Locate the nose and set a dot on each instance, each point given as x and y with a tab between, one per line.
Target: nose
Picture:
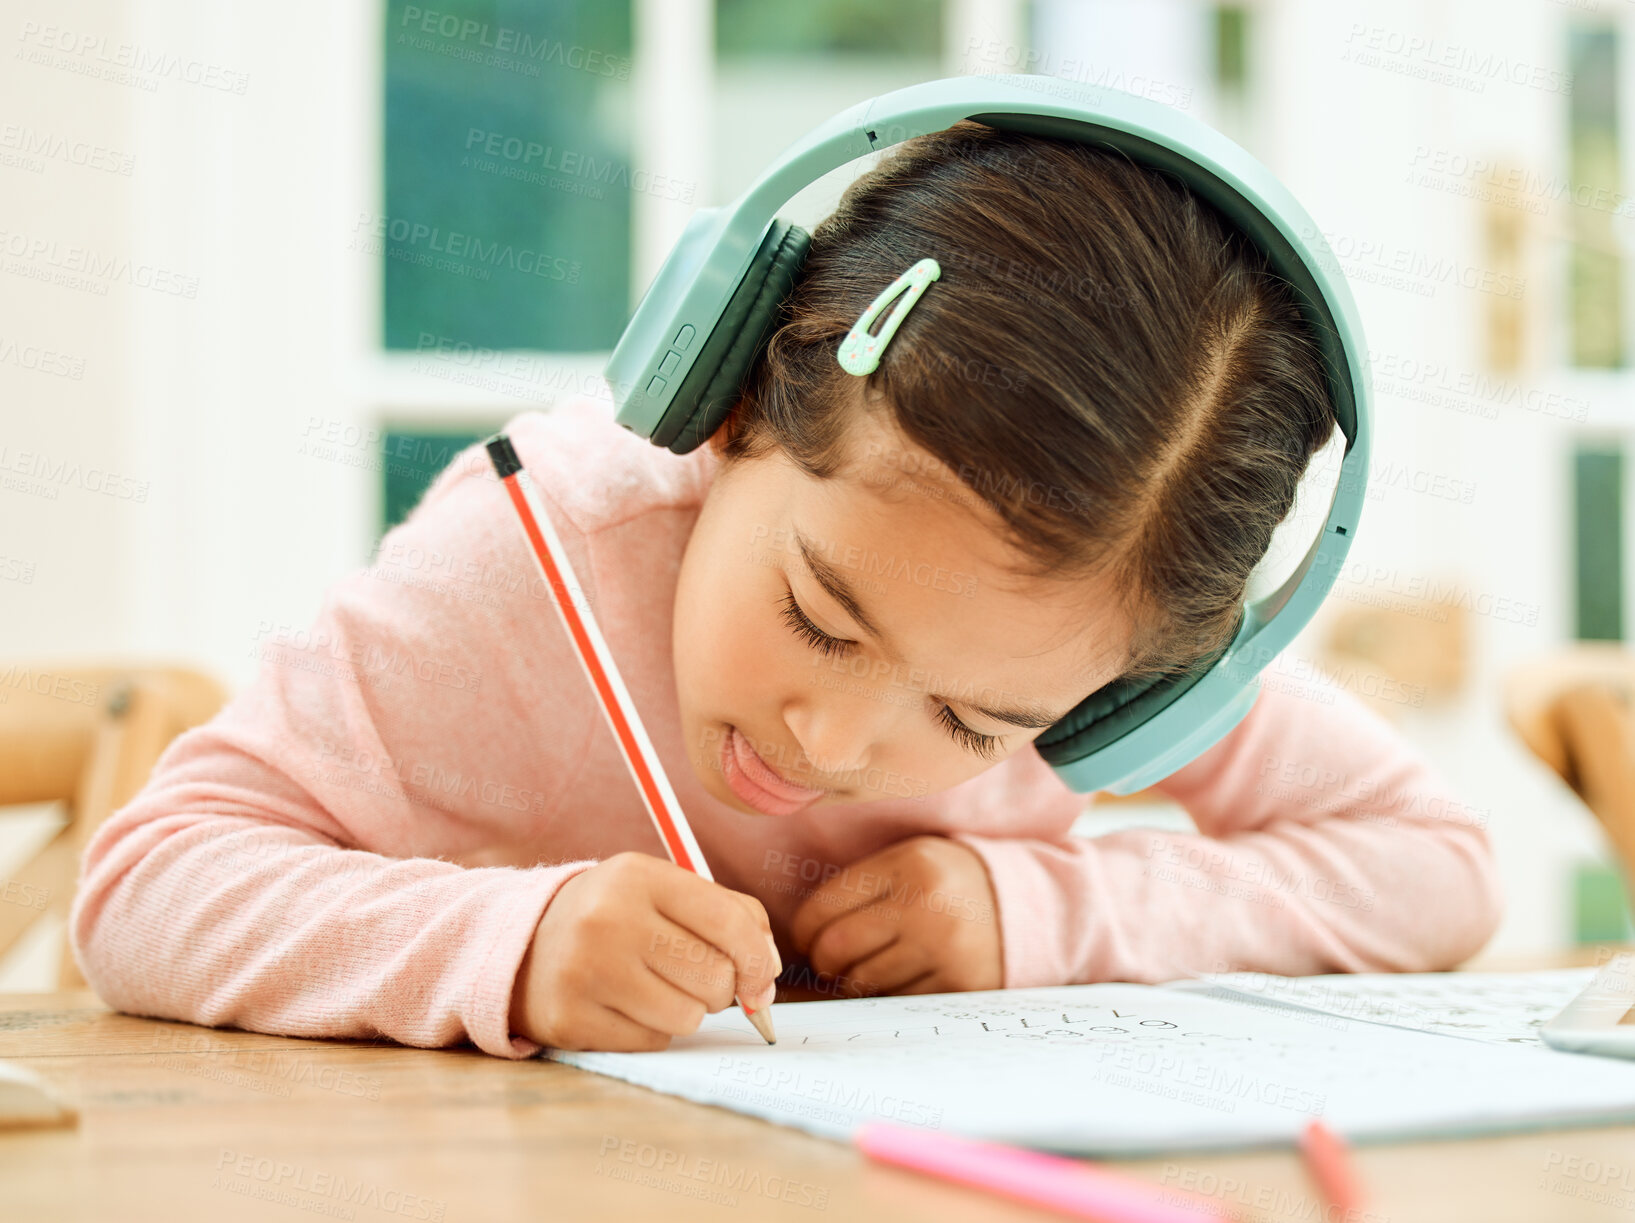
839	727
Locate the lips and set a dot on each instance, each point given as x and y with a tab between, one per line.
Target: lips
753	780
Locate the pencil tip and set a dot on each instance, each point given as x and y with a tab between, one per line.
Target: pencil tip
762	1020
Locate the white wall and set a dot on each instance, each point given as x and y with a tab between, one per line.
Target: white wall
249	199
231	314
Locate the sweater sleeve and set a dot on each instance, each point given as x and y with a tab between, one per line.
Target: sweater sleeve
329	856
1326	842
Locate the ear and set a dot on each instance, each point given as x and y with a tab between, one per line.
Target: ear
727	429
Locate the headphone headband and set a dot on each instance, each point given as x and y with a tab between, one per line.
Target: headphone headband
677	368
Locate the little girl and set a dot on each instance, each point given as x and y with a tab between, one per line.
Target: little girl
844	621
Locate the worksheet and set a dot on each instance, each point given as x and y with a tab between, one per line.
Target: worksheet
1117	1069
1502	1007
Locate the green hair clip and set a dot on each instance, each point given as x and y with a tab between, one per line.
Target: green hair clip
860	352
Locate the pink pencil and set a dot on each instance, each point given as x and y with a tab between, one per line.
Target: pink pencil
1067	1185
1329	1161
597	661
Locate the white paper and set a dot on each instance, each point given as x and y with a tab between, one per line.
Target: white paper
1502	1007
1116	1069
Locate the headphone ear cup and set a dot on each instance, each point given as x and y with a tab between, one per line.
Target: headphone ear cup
715	382
1119	707
1109	712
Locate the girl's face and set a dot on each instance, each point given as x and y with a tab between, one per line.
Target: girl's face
858	638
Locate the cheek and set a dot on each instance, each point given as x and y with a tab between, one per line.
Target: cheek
729	640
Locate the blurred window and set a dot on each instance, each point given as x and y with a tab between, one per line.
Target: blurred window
505	222
1598	549
1595	263
824	28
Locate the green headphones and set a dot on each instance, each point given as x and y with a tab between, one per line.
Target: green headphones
677	369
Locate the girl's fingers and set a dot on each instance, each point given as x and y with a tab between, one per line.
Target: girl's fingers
650	1001
731	921
602	1028
691	964
930	983
854	938
838	898
887	970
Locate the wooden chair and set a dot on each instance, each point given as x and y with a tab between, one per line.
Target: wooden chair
1401	654
1575	709
88	737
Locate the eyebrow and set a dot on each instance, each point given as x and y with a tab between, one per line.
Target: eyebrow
840	591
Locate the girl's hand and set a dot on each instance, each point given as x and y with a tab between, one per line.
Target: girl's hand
636	950
919	917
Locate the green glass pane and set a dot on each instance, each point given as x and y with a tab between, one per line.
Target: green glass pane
1594	261
1231	37
506	217
410	461
828	27
1598	515
1600	904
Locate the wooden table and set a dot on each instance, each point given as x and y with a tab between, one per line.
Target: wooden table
179	1122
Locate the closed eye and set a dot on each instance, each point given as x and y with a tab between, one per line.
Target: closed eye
981	745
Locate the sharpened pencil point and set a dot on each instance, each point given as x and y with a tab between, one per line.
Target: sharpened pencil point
762	1020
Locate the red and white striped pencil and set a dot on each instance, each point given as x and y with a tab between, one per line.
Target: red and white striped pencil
603	673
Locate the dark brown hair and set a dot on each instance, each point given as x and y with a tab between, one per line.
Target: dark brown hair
1105	362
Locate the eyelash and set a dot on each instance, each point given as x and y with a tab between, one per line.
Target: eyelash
973	741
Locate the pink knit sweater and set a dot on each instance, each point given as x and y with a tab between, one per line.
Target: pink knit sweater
361	843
